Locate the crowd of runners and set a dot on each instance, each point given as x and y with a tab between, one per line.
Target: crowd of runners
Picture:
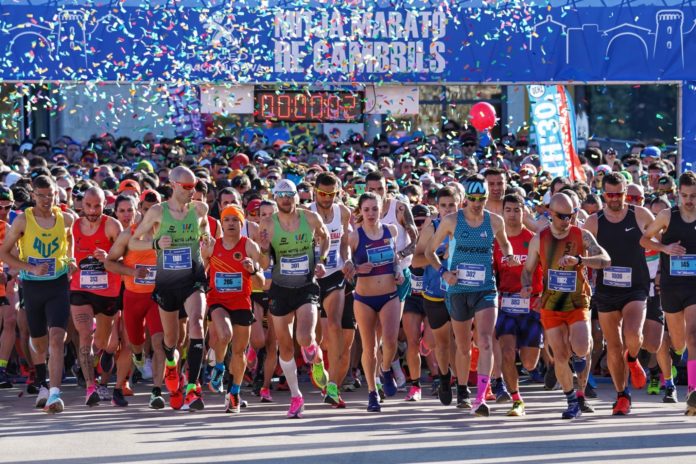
207	267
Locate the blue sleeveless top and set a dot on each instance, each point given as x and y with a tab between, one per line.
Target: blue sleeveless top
471	256
433	286
379	252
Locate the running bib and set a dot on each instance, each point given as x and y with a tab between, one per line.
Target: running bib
513	303
268	273
682	266
149	279
562	281
380	256
471	275
615	276
94	280
177	258
226	282
294	266
39	261
416	283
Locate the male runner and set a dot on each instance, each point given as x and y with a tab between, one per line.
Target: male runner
179	225
290	234
44	236
622	289
678	274
8	313
471	291
336	217
564	251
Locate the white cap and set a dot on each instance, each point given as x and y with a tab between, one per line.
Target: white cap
11	178
547	197
284	185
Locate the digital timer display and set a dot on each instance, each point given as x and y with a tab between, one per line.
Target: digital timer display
319	106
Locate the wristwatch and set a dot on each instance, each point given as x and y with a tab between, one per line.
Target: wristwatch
579	258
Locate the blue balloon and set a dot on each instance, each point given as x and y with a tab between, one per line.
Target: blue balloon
485	139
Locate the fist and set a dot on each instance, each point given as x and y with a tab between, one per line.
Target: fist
141	273
319	271
40	269
248	265
164	241
100	255
450	277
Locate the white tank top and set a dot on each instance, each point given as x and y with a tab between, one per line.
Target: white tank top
402	239
334	263
245	229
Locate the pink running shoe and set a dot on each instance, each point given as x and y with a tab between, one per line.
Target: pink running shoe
296	407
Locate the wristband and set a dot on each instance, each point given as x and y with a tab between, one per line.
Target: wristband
579	258
155	244
442	270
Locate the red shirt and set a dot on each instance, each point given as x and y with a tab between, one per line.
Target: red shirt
230	283
508	277
91	276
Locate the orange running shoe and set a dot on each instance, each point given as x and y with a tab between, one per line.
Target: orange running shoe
176	399
638	377
171	374
490	396
622	406
127	390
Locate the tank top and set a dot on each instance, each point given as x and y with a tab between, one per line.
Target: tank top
91	276
212	225
471	256
379	252
3	232
629	269
402	238
136	259
294	254
509	277
334	262
434	288
230	283
181	262
565	288
679	271
39	245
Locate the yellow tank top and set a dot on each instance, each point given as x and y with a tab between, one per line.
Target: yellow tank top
39	245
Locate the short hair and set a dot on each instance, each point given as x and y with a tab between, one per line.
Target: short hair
688	178
43	182
613	178
326	178
494	172
447	191
374	176
513	198
201	187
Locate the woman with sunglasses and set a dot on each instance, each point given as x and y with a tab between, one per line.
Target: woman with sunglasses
373	246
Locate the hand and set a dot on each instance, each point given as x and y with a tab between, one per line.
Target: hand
319	271
399	278
535	304
512	260
568	260
526	292
364	268
39	269
248	265
450	277
164	241
348	270
674	249
140	272
72	267
100	255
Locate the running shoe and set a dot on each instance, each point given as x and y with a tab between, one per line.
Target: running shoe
585	406
463	397
490	396
340	405
193	400
435	387
444	391
147	369
140	365
348	385
480	409
156	401
117	399
176	400
399	377
691	404
654	385
573	411
32	387
42	398
380	392
296	407
536	376
103	392
500	391
215	384
638	377
550	380
590	392
389	383
54	404
373	402
232	403
622	406
5	381
414	394
171	374
357	383
92	396
126	389
670	395
331	394
265	395
320	378
517	409
79	377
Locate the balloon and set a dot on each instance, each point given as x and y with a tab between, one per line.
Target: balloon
482	116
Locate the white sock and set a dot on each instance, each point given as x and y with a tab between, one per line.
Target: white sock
54	391
290	373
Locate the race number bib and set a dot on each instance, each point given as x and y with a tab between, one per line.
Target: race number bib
94	280
562	281
615	276
513	303
39	261
682	266
294	266
149	279
227	282
416	283
177	258
380	256
471	275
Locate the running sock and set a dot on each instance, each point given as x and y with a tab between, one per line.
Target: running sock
516	396
415	383
290	371
169	353
630	358
54	391
623	393
157	391
669	383
195	357
580	394
571	397
106	361
691	374
40	378
235	388
220	367
482	382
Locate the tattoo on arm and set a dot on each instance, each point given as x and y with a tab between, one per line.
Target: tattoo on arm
597	257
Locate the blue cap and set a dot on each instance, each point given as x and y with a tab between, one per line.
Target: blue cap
651	151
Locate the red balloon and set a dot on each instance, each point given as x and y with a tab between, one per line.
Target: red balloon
482	116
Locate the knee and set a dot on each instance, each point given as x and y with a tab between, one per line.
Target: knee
485	342
508	353
529	364
224	335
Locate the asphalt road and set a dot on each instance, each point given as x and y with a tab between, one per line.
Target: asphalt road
404	432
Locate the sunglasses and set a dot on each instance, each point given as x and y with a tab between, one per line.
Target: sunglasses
419	222
476	198
272	178
565	217
634	198
285	194
614	195
253	213
186	185
322	193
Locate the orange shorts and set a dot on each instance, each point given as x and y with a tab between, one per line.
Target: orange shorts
551	319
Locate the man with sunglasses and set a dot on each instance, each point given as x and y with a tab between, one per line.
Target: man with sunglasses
179	226
564	251
471	289
621	290
678	274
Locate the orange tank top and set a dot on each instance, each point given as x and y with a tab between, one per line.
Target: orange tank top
91	276
136	259
230	283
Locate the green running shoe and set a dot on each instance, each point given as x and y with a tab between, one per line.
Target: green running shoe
320	378
332	394
517	409
654	386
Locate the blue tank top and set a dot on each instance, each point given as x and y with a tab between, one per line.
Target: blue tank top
471	256
379	252
433	286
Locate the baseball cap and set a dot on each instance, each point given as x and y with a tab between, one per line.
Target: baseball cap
420	210
6	194
144	166
284	185
129	184
651	152
253	205
239	161
262	156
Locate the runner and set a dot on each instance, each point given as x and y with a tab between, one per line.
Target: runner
471	293
622	289
179	226
678	275
233	264
43	234
294	293
565	251
93	294
336	217
8	312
